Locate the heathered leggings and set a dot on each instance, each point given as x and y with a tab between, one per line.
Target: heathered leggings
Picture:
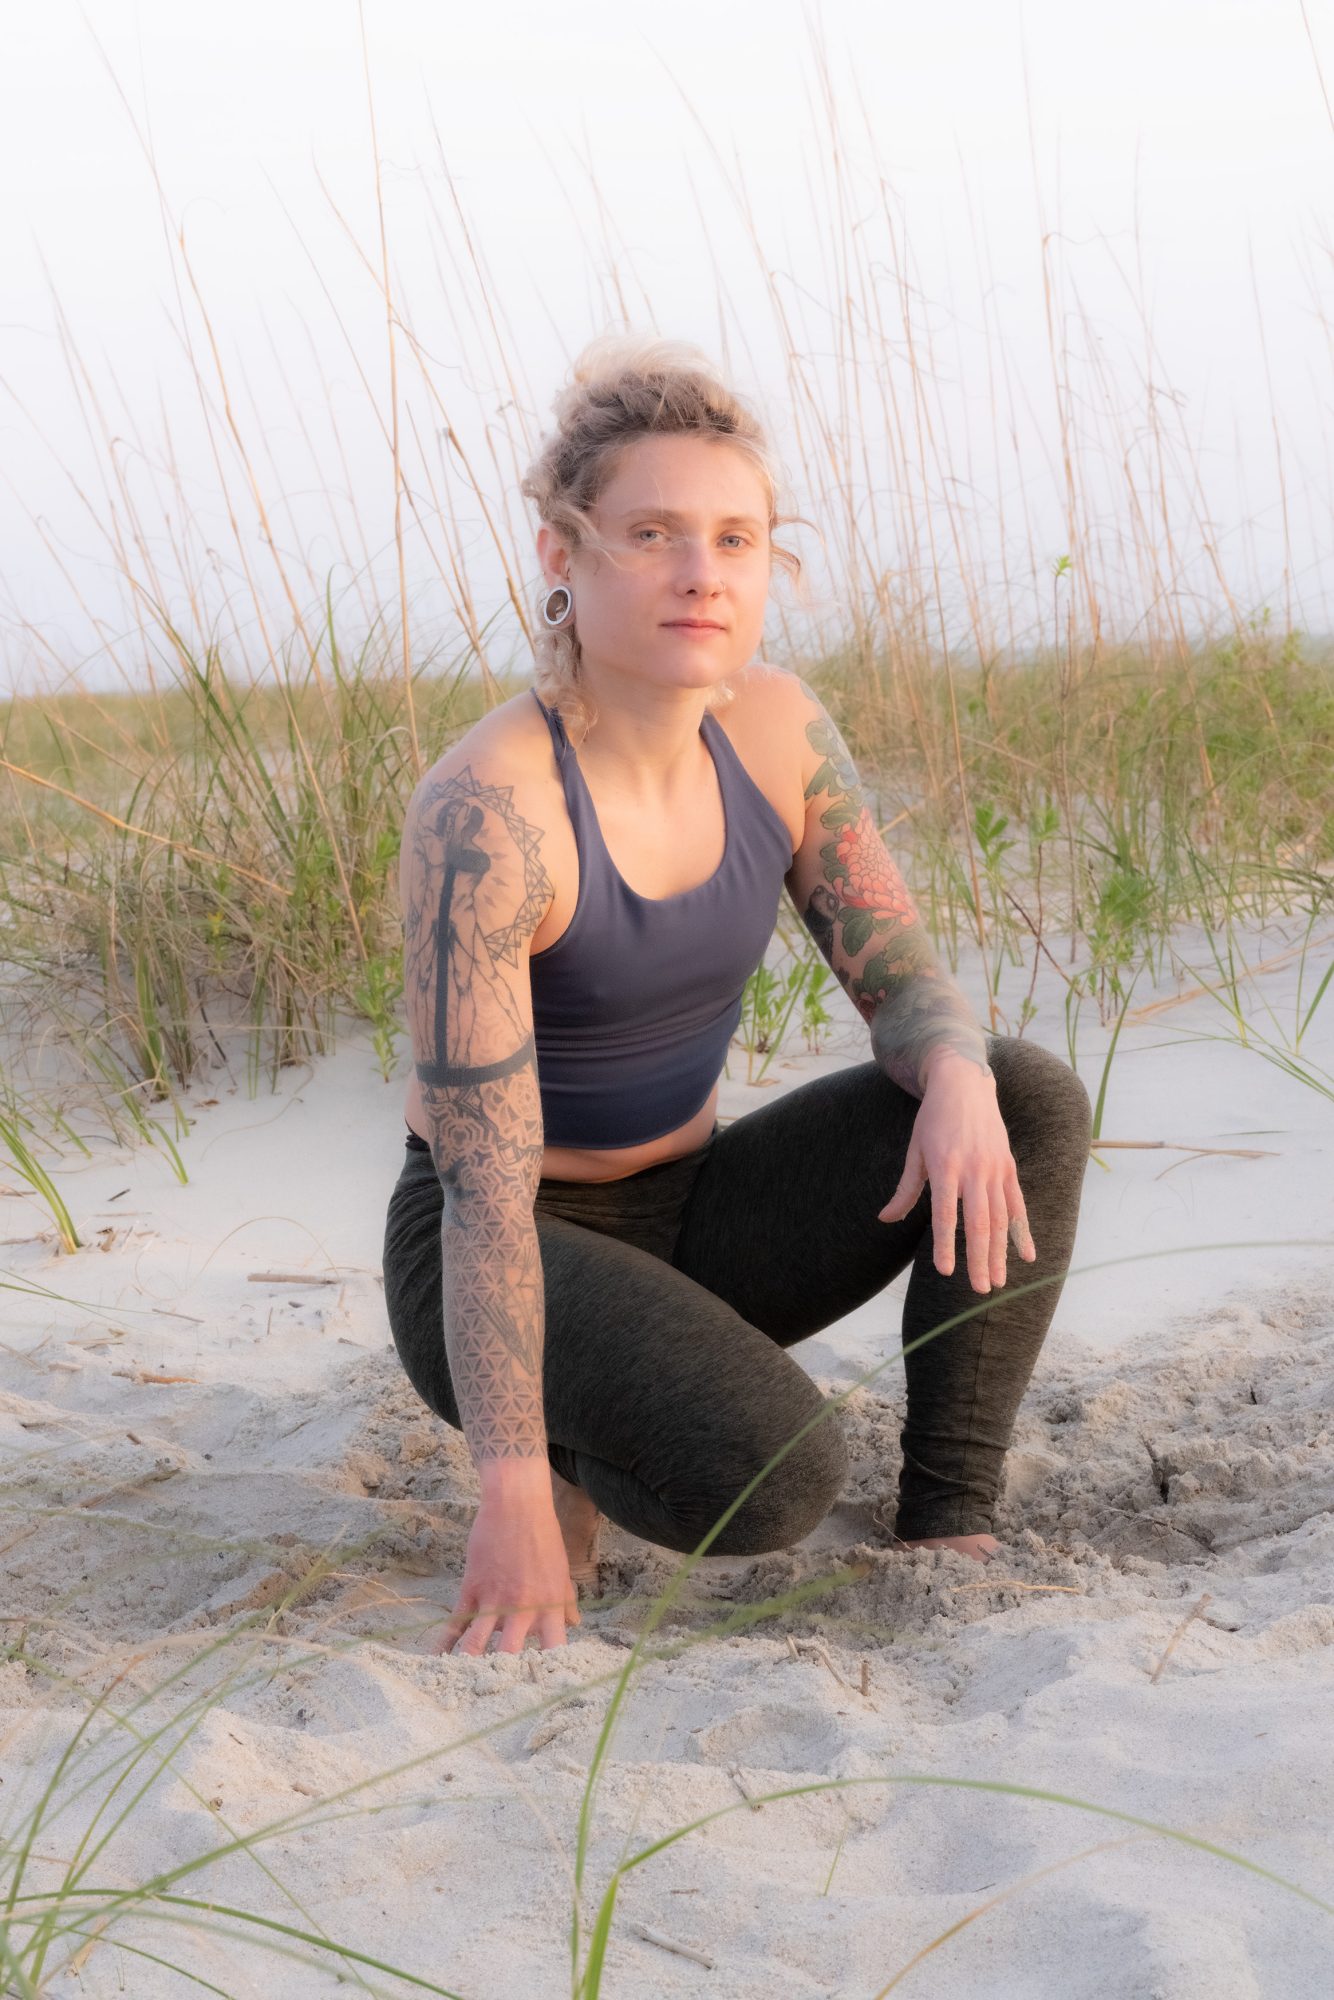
672	1295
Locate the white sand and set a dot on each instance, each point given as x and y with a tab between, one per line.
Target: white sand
1176	1441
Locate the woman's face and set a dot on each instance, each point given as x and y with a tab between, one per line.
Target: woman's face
686	526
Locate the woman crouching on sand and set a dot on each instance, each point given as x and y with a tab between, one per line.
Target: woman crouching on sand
582	1272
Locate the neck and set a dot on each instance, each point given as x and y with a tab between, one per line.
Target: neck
646	737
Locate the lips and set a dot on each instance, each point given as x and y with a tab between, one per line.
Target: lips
693	625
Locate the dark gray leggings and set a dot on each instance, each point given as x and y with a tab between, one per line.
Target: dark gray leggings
672	1294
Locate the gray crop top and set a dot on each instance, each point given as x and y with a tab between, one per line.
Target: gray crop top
635	1003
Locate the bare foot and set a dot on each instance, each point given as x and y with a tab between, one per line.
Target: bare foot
580	1527
982	1548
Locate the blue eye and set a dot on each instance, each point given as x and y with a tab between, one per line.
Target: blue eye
733	537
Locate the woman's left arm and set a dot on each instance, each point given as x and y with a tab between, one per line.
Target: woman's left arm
924	1036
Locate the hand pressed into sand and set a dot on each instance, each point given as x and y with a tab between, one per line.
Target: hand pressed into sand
516	1575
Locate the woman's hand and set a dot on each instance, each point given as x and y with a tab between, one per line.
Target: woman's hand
959	1144
516	1571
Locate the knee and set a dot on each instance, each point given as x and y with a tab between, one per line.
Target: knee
789	1502
414	1303
1040	1097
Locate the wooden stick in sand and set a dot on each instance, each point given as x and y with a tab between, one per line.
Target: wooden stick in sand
670	1944
1170	1647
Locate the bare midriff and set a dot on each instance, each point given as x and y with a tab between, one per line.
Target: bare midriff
654	858
582	1163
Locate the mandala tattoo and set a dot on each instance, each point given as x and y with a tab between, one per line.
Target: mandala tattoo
867	926
473	891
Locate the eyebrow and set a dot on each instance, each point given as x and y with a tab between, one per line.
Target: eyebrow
669	514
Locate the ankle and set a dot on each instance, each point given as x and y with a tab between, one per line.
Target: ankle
570	1499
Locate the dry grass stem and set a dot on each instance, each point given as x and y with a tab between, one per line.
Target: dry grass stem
1172	1643
670	1944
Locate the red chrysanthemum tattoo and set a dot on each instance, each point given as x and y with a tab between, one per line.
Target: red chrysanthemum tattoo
869	879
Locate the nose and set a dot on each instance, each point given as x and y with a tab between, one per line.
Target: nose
697	569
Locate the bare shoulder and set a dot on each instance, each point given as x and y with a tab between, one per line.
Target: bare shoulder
510	744
776	699
778	713
484	810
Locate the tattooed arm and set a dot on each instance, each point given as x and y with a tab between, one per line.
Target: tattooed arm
856	905
473	891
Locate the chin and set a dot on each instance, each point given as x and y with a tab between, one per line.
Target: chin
700	681
707	685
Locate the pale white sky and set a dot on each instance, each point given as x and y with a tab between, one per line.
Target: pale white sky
1182	149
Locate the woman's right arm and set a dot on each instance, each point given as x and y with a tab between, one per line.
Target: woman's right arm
473	891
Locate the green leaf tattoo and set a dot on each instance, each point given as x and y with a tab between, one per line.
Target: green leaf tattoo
901	990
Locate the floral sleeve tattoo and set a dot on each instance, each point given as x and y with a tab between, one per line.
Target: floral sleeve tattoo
474	890
859	911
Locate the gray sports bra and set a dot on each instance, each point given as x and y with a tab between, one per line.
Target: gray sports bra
636	1002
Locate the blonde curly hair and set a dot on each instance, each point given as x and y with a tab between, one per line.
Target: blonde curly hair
623	387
